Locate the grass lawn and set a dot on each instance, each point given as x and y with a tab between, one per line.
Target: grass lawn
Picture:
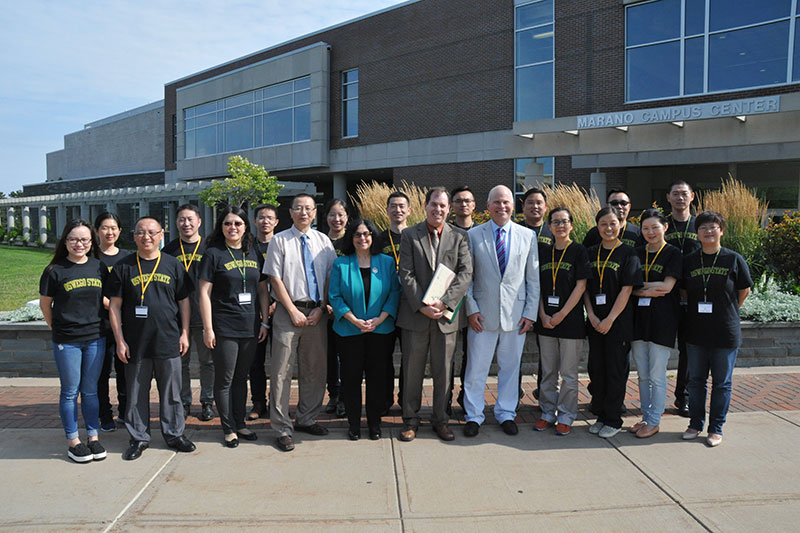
20	270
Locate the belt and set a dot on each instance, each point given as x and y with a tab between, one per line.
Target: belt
306	305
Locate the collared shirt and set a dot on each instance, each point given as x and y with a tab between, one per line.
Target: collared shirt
285	261
507	234
438	230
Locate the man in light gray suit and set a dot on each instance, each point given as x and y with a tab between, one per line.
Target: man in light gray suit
424	327
502	303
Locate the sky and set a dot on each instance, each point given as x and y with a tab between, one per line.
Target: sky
66	63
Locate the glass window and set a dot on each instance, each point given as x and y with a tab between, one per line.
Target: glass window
796	64
534	92
239	99
350	103
302	123
654	71
205	120
206	141
277	90
305	83
302	97
188	113
535	46
653	22
239	134
695	17
350	75
693	66
205	108
726	14
239	112
749	57
534	14
278	127
258	130
189	144
279	102
189	124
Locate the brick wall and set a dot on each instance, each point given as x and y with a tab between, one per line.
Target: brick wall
481	176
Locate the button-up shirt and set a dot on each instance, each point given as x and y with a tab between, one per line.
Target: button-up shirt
285	261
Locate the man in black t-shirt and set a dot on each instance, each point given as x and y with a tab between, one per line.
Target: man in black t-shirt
149	312
189	248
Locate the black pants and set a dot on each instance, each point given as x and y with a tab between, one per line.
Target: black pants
608	372
258	373
334	367
233	358
682	377
111	358
365	355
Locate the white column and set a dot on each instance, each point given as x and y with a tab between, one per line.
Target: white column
340	186
10	218
61	219
597	180
43	224
26	223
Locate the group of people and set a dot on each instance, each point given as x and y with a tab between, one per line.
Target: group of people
334	306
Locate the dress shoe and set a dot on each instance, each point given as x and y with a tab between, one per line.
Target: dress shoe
563	429
182	444
341	412
135	450
408	433
187	407
285	443
647	431
471	429
313	429
232	442
207	413
714	439
353	435
690	434
331	407
444	432
374	433
637	426
541	425
682	409
259	411
510	427
247	434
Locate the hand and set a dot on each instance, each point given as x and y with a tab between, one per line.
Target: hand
314	316
272	308
475	322
524	325
438	304
545	320
329	309
209	339
604	326
556	319
183	343
262	334
367	326
431	312
298	318
123	352
593	320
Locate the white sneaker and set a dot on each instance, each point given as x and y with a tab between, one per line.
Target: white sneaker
595	428
607	432
690	434
714	439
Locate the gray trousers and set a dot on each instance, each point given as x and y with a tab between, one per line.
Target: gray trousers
139	376
206	369
559	356
416	345
309	345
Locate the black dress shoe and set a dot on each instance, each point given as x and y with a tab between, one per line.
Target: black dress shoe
471	429
444	432
510	427
247	434
331	407
285	443
135	450
207	413
353	435
341	411
233	443
182	444
374	433
683	409
313	429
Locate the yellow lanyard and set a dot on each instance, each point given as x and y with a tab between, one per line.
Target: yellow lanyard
141	276
647	264
601	273
394	252
554	272
242	270
183	254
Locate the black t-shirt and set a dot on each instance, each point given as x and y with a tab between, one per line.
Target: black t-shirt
726	276
337	246
683	235
189	257
158	335
573	267
632	236
77	293
109	261
543	233
390	244
622	270
222	266
658	321
262	249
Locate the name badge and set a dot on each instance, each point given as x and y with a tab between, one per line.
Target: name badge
553	301
600	299
140	311
644	302
245	298
705	307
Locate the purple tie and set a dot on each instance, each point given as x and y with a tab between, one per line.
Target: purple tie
500	248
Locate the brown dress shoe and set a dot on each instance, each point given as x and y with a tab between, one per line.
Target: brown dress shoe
444	432
408	433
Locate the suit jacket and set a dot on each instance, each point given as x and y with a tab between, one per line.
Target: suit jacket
346	293
504	300
417	264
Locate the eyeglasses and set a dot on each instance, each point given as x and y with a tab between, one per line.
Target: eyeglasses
73	241
707	229
362	234
464	201
304	209
557	223
237	223
142	234
266	219
618	203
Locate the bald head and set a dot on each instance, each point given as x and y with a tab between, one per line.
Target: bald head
500	204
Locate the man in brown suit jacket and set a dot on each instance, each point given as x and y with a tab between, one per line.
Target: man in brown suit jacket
424	327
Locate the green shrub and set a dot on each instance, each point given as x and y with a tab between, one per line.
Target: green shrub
28	313
767	303
783	249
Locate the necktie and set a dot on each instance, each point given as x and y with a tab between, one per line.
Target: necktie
308	264
500	248
434	246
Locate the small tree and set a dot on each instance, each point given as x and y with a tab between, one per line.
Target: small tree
249	184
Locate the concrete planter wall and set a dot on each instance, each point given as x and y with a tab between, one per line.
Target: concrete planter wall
26	349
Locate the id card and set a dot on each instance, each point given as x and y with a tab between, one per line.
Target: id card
600	299
705	307
553	301
140	311
245	298
644	302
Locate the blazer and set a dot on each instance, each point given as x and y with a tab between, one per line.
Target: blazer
504	300
346	293
417	264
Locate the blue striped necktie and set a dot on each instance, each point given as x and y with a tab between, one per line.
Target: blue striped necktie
500	248
311	276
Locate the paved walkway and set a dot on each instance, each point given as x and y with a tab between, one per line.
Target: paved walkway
532	481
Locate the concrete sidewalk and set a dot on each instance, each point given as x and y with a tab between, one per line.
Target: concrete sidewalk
532	481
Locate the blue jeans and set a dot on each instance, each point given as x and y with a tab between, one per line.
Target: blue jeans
720	362
651	365
79	367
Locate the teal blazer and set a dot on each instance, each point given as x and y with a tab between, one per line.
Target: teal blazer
346	293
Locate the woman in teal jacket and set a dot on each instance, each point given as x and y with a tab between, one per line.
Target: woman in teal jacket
364	293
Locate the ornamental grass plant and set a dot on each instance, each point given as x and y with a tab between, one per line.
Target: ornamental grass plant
370	200
583	205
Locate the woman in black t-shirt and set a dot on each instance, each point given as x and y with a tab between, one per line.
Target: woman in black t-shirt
563	268
717	282
108	228
655	319
233	304
71	298
615	273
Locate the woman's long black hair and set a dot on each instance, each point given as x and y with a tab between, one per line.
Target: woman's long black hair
217	238
61	253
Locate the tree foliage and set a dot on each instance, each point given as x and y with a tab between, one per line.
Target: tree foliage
250	184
